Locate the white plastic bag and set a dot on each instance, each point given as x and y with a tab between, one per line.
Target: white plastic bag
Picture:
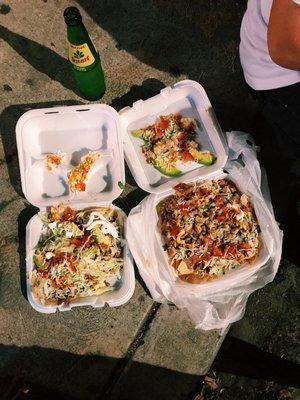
215	304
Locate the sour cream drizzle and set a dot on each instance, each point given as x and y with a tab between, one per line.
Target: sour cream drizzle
96	218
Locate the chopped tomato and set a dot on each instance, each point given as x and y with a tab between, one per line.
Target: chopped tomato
72	265
181	187
244	246
161	126
164	123
246	208
88	240
174	230
76	241
182	137
68	214
43	273
230	249
80	241
222	216
217	251
186	156
54	283
159	132
58	258
181	207
218	200
63	280
80	186
197	258
207	241
104	247
205	257
202	192
71	262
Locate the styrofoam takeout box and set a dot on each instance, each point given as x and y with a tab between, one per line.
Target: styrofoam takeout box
189	99
75	130
236	274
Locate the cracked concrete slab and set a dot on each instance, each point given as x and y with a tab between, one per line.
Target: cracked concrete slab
171	344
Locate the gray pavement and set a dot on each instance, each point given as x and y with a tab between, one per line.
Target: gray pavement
260	357
140	350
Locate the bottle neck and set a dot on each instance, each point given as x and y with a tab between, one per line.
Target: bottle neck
77	34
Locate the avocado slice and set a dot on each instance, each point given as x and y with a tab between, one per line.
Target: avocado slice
138	133
99	237
144	134
168	170
203	157
97	233
38	260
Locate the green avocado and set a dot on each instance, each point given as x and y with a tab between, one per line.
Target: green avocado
138	133
203	157
97	234
38	260
168	170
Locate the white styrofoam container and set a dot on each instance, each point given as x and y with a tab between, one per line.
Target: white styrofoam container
75	130
189	99
241	271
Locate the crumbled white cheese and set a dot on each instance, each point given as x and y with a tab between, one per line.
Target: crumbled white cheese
240	215
49	255
52	225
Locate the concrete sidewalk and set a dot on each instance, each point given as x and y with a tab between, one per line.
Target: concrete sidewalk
96	353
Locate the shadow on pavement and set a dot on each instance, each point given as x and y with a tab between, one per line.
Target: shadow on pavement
55	374
41	58
41	373
244	359
181	37
8	121
23	219
197	38
150	87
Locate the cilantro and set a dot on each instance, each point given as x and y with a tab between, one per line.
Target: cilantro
190	136
148	145
166	247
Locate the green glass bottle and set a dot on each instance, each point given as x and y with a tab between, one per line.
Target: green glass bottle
83	57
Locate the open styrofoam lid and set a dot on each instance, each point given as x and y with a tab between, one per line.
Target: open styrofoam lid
74	130
190	100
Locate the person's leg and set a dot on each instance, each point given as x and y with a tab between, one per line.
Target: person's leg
278	135
279	139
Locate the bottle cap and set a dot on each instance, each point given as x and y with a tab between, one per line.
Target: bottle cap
72	16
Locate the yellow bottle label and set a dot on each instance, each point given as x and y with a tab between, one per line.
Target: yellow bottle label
80	55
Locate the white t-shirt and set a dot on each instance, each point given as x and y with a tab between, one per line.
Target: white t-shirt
261	73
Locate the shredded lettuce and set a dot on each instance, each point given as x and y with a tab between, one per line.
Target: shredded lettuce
70	263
